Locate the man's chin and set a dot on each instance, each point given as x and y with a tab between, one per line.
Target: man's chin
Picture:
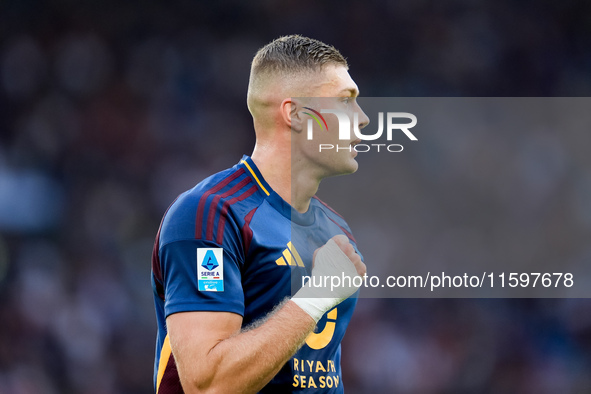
350	168
354	166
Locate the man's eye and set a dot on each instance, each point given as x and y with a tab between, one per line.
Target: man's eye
347	100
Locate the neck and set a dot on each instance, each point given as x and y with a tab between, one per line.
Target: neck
293	183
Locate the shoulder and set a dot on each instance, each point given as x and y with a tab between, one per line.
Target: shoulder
334	216
204	211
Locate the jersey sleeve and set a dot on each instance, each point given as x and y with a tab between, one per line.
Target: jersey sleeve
201	275
201	248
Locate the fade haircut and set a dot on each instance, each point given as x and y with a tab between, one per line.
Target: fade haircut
295	53
288	61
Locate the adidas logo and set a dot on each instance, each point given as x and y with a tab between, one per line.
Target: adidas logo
290	257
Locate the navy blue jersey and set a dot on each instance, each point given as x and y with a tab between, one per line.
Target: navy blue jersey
232	244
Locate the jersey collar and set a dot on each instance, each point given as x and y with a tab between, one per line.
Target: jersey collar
274	199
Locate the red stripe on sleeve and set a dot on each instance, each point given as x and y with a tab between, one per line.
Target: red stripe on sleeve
203	199
348	234
328	206
214	204
247	231
223	214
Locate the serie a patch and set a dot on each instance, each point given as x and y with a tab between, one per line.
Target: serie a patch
210	269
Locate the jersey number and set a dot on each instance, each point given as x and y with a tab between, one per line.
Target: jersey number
319	340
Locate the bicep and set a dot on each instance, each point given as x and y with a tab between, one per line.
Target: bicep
192	337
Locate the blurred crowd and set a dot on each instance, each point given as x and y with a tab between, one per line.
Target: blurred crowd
109	109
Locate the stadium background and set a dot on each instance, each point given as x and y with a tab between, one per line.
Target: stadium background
109	110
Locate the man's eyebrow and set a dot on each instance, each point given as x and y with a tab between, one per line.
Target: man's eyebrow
352	91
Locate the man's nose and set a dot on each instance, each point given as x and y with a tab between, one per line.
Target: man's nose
363	119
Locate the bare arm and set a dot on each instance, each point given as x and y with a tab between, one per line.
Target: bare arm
213	355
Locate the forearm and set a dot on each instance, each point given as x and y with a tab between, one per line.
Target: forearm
247	361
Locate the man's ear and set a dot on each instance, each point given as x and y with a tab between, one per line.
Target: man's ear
290	111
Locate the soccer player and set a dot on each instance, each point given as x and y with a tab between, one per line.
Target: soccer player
227	250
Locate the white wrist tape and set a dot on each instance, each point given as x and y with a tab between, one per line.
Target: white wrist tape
331	282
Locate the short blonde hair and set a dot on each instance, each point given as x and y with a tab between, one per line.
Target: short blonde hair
295	53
